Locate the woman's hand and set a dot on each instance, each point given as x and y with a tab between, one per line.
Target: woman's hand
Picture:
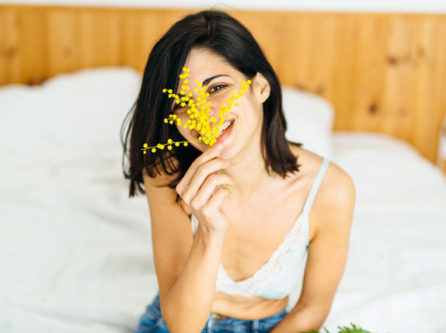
203	189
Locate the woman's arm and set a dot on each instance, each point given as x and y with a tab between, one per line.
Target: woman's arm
187	305
327	255
186	266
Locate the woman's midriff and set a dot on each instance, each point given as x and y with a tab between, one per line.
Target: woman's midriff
247	308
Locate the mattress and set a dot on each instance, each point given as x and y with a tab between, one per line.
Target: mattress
76	253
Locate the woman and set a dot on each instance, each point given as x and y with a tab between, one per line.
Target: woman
227	261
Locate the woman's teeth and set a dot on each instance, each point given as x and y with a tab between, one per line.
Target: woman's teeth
225	127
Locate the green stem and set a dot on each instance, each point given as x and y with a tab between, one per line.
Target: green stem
226	186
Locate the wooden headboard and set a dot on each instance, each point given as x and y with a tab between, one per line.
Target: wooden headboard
382	72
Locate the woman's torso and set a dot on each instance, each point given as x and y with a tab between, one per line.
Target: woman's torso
245	248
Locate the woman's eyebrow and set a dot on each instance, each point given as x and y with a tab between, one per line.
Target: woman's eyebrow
209	79
205	82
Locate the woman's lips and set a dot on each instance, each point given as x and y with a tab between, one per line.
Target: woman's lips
226	134
197	133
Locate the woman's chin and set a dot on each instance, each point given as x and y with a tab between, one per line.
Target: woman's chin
228	151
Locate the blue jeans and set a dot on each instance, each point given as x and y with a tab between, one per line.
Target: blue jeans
152	321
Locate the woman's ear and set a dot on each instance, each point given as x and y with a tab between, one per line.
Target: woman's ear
261	87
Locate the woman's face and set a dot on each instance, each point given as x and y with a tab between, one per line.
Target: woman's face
220	79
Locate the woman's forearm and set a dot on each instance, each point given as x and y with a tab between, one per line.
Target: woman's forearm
187	306
301	319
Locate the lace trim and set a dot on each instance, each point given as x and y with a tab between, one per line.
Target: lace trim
276	263
253	285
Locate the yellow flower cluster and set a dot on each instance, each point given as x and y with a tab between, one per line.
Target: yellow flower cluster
198	112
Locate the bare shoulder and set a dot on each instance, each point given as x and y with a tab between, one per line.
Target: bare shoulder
339	188
336	196
331	216
336	181
170	231
338	201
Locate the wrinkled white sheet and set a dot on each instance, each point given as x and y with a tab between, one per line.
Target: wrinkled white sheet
75	251
395	279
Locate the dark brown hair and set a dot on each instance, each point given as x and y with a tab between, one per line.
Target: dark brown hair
224	35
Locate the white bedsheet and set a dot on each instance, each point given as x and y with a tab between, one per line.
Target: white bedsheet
75	251
395	279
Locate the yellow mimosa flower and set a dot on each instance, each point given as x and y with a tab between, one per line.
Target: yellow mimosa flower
202	124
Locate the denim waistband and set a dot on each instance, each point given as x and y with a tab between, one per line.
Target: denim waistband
220	323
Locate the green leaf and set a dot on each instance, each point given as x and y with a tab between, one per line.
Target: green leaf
344	329
353	329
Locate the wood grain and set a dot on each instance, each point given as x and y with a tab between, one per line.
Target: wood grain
383	72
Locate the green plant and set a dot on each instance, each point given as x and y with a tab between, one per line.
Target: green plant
344	329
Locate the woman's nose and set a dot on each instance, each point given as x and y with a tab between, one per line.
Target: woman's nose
214	116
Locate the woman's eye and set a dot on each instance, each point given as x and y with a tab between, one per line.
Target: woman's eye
178	107
217	86
179	110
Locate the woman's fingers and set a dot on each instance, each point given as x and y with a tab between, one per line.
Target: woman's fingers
203	158
203	172
203	189
213	183
214	203
200	175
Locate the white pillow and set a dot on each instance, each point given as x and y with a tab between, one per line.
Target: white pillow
70	113
309	120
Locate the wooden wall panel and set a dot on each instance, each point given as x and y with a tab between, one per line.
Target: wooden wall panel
63	50
382	72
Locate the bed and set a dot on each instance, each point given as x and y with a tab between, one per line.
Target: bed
75	251
365	90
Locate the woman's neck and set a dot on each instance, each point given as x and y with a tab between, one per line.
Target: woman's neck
247	169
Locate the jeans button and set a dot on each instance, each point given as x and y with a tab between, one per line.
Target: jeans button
216	317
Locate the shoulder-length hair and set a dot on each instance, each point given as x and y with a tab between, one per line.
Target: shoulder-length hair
224	35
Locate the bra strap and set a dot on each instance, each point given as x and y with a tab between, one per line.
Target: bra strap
315	186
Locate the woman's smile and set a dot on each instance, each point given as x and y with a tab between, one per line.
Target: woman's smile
226	132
